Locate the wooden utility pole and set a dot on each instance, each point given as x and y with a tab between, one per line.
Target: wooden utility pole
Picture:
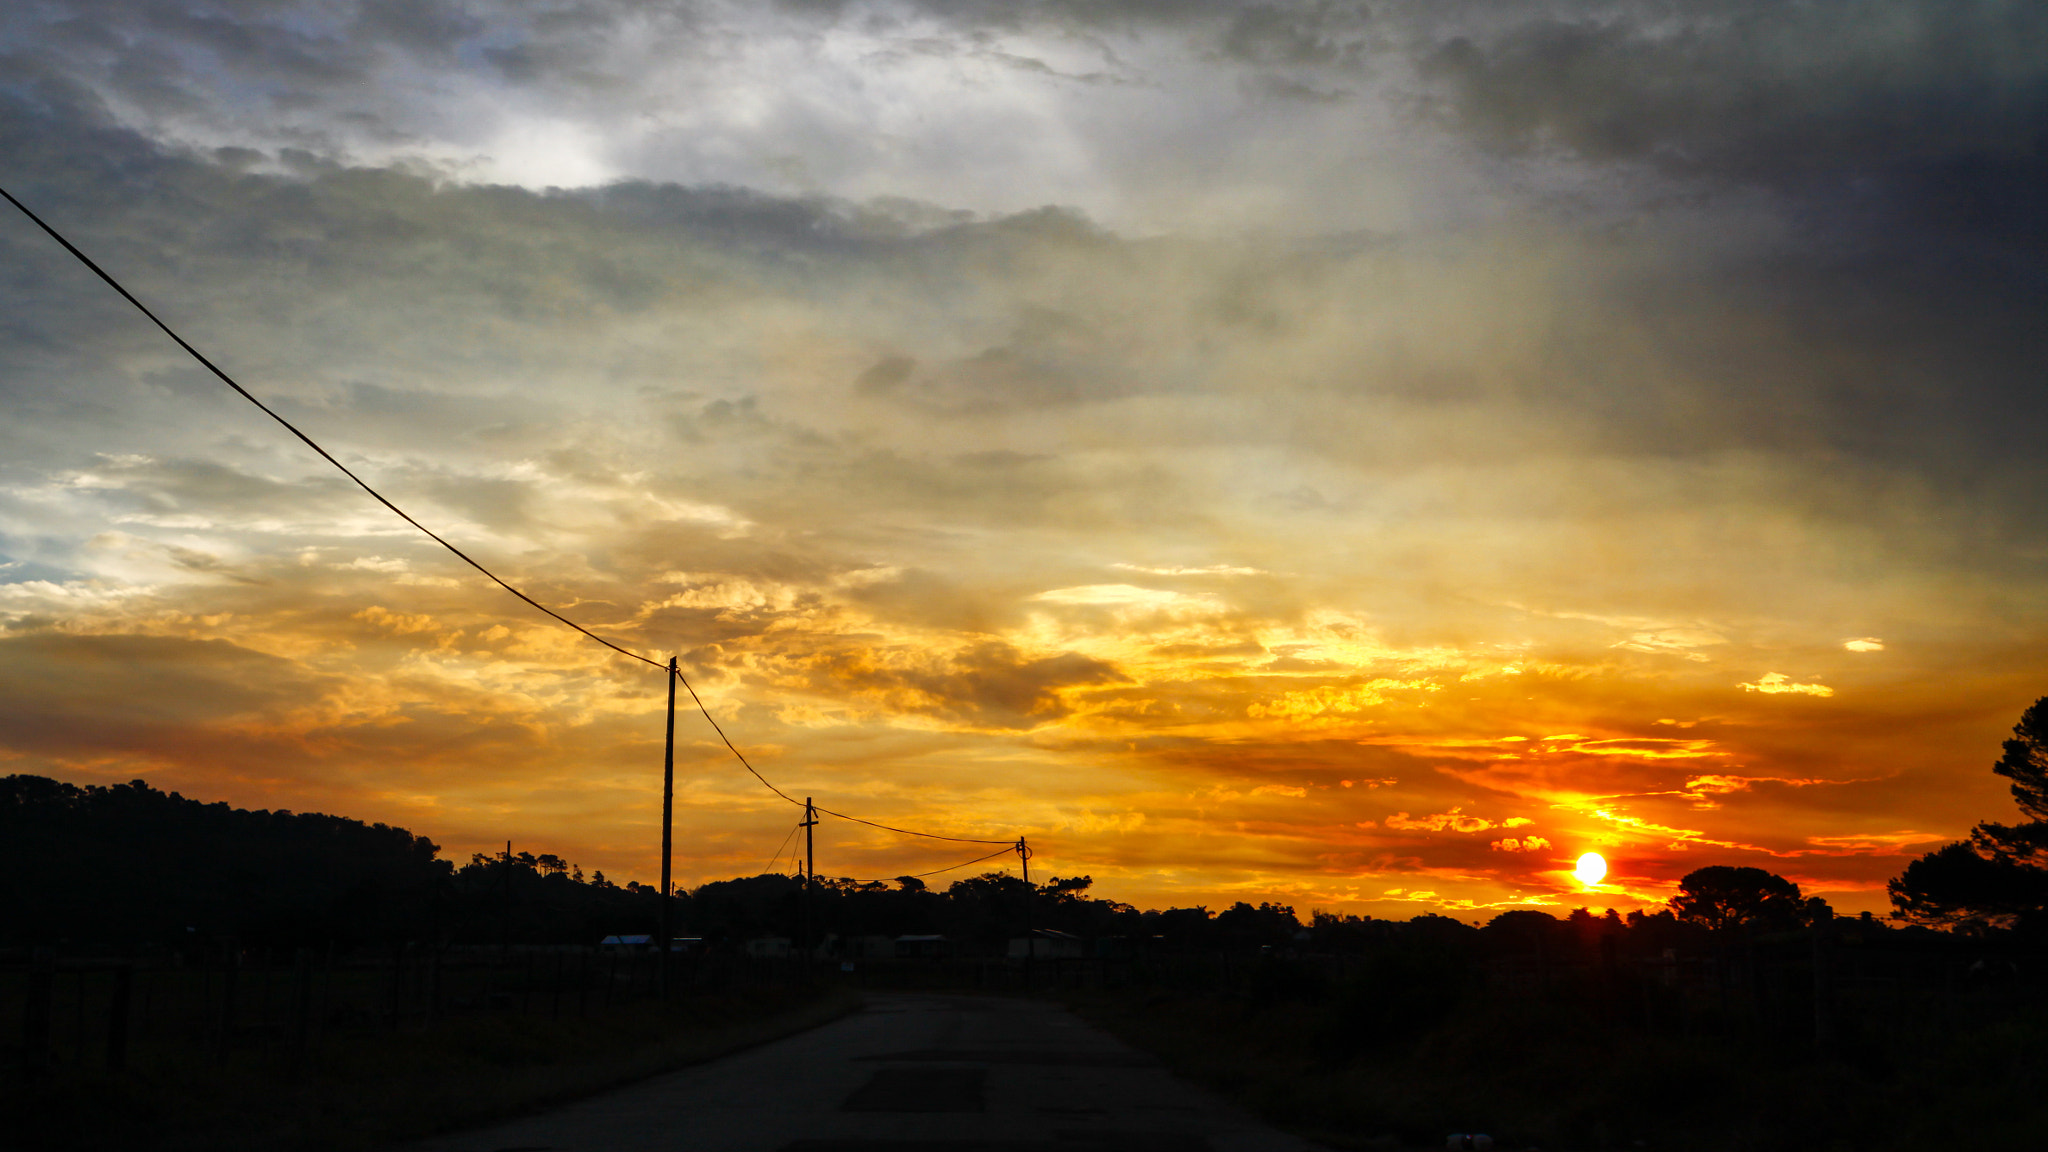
810	870
1030	931
668	810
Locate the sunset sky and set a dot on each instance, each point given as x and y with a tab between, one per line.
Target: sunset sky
1360	456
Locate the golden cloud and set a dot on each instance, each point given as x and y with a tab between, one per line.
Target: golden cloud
1775	683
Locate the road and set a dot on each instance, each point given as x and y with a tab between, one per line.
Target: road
907	1073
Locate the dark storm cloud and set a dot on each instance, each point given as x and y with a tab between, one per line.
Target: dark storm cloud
1831	343
174	54
1766	91
1906	140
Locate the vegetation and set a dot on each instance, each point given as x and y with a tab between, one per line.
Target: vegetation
1722	897
371	1087
132	868
1998	877
1667	1031
128	869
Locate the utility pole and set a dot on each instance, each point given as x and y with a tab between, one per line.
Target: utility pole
1030	932
810	870
668	809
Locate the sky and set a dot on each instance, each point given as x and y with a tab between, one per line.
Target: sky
1357	456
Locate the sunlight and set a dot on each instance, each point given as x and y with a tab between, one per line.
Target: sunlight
1591	870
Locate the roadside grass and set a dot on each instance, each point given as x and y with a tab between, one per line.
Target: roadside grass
372	1088
1550	1075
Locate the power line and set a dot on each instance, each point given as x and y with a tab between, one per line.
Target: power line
742	758
777	858
926	835
947	868
309	441
436	537
977	860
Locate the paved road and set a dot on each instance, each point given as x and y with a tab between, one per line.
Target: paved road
908	1073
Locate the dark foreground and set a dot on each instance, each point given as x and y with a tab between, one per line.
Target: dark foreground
367	1086
910	1073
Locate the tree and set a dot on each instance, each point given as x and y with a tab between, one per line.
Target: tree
1721	896
2025	762
1961	887
1998	877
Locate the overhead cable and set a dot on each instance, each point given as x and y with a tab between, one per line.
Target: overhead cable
977	860
210	366
742	758
947	868
309	441
777	858
1010	845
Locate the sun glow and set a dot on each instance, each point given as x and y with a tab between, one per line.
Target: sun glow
1592	869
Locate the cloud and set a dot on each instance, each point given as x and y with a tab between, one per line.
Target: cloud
1866	644
858	352
1334	701
989	684
1777	683
1452	821
1680	641
1279	790
1875	843
1211	570
1126	596
1525	844
1776	94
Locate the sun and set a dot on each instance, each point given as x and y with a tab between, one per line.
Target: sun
1591	870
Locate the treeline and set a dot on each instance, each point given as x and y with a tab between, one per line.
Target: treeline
130	867
128	864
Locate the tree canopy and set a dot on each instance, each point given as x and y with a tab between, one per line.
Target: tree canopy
129	862
2025	762
1998	877
1721	896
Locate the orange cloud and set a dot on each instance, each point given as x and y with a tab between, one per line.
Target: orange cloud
1453	820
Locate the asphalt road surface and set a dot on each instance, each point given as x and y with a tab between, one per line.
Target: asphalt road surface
907	1073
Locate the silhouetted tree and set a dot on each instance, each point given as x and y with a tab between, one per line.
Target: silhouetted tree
1269	925
1998	878
1962	886
1523	932
1720	897
127	864
2025	762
